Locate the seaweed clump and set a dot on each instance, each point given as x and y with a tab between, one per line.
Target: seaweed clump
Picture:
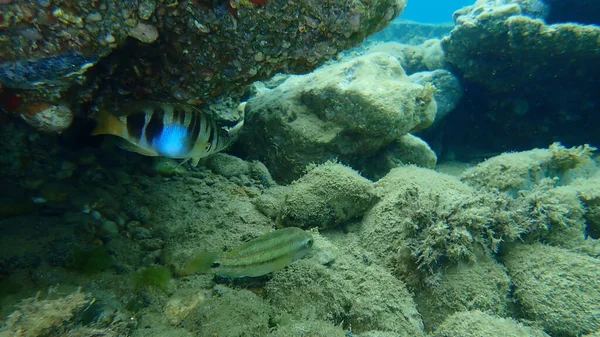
38	316
152	277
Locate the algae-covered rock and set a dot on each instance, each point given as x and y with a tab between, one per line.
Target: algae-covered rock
182	303
556	288
406	150
588	191
555	215
483	285
352	292
56	314
477	323
448	90
410	149
502	45
307	328
198	49
328	195
512	172
425	219
339	111
215	316
427	56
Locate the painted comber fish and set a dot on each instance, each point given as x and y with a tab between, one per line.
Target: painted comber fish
170	130
265	254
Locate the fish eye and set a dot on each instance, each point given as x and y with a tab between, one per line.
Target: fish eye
215	264
310	242
207	147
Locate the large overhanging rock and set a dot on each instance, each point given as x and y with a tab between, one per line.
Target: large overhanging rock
184	50
340	112
504	47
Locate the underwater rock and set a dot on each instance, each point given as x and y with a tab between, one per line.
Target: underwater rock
189	51
427	220
512	172
328	195
339	111
588	191
208	49
483	285
448	90
411	32
556	215
181	304
311	328
410	149
227	165
47	117
478	323
406	150
144	32
229	313
427	56
502	46
53	70
351	292
555	288
48	316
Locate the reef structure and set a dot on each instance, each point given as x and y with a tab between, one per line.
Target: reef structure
190	51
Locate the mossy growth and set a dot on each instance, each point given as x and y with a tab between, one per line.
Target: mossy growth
155	276
89	260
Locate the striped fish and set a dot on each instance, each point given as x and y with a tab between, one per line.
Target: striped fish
263	255
167	129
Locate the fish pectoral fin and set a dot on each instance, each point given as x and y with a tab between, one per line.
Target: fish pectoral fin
129	146
279	264
195	161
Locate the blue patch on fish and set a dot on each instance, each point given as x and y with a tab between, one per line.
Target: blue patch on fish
171	142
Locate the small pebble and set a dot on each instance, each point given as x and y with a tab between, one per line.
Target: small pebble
140	233
144	32
94	17
96	215
109	38
259	57
110	227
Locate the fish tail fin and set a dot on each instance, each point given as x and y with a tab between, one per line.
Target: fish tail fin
200	263
109	124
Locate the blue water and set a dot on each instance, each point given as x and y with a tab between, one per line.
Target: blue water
432	11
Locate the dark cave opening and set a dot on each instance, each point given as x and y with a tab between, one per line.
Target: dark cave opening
577	11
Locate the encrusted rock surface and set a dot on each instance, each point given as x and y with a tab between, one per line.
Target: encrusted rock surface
188	50
503	47
337	112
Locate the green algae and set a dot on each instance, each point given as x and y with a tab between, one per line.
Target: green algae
152	277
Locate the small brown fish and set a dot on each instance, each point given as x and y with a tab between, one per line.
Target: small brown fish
257	257
170	130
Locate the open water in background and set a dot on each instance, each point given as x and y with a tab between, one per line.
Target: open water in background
432	11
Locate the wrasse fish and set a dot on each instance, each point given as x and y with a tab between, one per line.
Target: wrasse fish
265	254
170	130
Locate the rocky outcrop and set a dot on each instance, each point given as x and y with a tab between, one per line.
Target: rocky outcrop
341	111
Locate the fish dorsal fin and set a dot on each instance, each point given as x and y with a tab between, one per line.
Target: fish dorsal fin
109	124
